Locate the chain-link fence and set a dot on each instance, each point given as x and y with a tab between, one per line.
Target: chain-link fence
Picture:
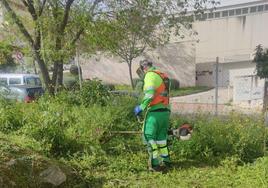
235	89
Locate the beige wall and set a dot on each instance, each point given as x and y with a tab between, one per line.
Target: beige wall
177	59
226	74
231	38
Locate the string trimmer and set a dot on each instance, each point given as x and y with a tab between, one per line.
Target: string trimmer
183	132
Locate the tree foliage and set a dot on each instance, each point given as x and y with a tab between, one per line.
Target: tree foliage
261	60
136	25
6	51
51	28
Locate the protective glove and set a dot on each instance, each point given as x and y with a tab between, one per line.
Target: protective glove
137	110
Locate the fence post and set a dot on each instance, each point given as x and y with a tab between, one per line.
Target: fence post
216	85
265	98
79	68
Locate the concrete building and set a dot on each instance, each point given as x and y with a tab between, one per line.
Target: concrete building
176	58
232	33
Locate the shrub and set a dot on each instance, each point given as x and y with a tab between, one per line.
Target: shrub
110	87
46	123
237	135
11	116
71	83
64	127
94	92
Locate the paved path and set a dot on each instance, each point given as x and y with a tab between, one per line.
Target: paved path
224	96
204	102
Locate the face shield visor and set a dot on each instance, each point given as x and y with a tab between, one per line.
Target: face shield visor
143	65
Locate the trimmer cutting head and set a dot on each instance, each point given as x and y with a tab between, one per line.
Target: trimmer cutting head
184	132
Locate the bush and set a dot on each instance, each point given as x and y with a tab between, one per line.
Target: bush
236	136
11	116
110	87
94	92
64	128
46	123
71	83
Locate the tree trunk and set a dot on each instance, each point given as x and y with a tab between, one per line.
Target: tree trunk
35	70
55	73
130	73
49	86
60	74
57	77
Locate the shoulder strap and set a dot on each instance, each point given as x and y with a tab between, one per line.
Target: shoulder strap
162	75
164	78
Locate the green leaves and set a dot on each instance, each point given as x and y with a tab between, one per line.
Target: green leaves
236	135
6	52
261	60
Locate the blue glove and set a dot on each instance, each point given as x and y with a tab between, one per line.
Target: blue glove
137	110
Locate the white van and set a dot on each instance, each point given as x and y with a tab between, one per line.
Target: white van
20	79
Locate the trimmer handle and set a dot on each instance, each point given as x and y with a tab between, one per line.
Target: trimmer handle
139	118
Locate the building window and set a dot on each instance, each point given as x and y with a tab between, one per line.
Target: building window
260	8
224	13
204	16
266	7
231	12
238	12
210	15
217	14
253	9
245	10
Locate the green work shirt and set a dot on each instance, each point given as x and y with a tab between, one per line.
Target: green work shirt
152	81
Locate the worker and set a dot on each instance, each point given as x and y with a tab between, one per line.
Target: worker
155	105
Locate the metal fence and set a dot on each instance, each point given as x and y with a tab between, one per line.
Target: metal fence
243	95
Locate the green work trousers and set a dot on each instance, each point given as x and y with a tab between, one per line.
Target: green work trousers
155	133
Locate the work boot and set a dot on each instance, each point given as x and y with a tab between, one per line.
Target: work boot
167	164
157	169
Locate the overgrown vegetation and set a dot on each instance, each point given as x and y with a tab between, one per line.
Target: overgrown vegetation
75	129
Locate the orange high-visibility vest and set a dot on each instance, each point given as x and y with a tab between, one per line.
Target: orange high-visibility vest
162	92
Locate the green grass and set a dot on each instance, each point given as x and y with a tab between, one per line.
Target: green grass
123	87
61	131
174	93
125	168
188	90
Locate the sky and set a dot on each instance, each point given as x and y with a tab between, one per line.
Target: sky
233	2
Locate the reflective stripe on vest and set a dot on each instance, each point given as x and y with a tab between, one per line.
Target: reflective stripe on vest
162	94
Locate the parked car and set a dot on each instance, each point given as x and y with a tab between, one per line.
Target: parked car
20	79
21	93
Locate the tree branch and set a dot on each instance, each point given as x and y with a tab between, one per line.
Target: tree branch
42	6
25	3
18	22
66	15
77	36
80	32
31	9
